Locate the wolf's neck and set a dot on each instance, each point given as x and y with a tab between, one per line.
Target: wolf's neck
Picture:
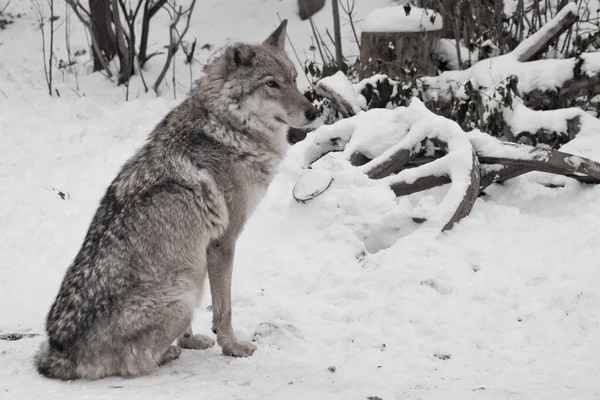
242	132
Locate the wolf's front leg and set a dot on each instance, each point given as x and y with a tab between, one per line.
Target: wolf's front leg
220	266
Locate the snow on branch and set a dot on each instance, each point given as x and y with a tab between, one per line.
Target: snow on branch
531	47
542	75
410	149
496	95
519	159
389	139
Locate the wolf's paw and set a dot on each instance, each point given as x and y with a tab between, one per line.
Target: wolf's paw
172	353
196	342
239	349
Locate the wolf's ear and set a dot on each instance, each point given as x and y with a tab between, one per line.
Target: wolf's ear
277	38
239	54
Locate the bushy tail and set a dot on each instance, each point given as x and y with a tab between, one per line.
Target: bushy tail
54	364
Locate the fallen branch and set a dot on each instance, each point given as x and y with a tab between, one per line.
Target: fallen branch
47	59
422	129
519	159
574	88
381	167
431	151
471	194
420	184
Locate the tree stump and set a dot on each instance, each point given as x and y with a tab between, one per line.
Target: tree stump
406	43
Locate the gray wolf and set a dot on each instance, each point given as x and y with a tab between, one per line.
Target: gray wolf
172	216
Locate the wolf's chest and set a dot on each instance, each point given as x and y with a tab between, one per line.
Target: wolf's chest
256	177
254	194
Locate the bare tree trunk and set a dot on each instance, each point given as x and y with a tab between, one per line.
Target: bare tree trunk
122	50
337	34
130	17
100	17
150	10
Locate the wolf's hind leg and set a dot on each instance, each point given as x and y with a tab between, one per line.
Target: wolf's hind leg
147	330
197	342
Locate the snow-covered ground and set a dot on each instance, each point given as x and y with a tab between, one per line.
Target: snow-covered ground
504	306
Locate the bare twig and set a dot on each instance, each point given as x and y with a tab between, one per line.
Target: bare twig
175	43
330	38
314	31
50	56
330	56
189	60
339	58
141	74
349	11
47	61
173	70
457	37
296	54
68	32
5	7
124	56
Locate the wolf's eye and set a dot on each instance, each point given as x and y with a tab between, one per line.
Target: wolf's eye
272	84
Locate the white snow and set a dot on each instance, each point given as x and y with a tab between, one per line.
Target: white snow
509	296
591	63
488	74
489	146
396	19
447	52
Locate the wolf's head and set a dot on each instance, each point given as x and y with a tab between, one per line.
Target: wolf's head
261	81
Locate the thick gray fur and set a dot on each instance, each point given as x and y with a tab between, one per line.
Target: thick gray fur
174	213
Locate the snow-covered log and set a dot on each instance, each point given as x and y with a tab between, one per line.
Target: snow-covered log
402	188
379	168
513	160
574	88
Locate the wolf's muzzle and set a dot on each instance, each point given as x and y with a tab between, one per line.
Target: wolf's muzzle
312	113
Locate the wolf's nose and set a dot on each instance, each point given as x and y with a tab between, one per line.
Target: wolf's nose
312	113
